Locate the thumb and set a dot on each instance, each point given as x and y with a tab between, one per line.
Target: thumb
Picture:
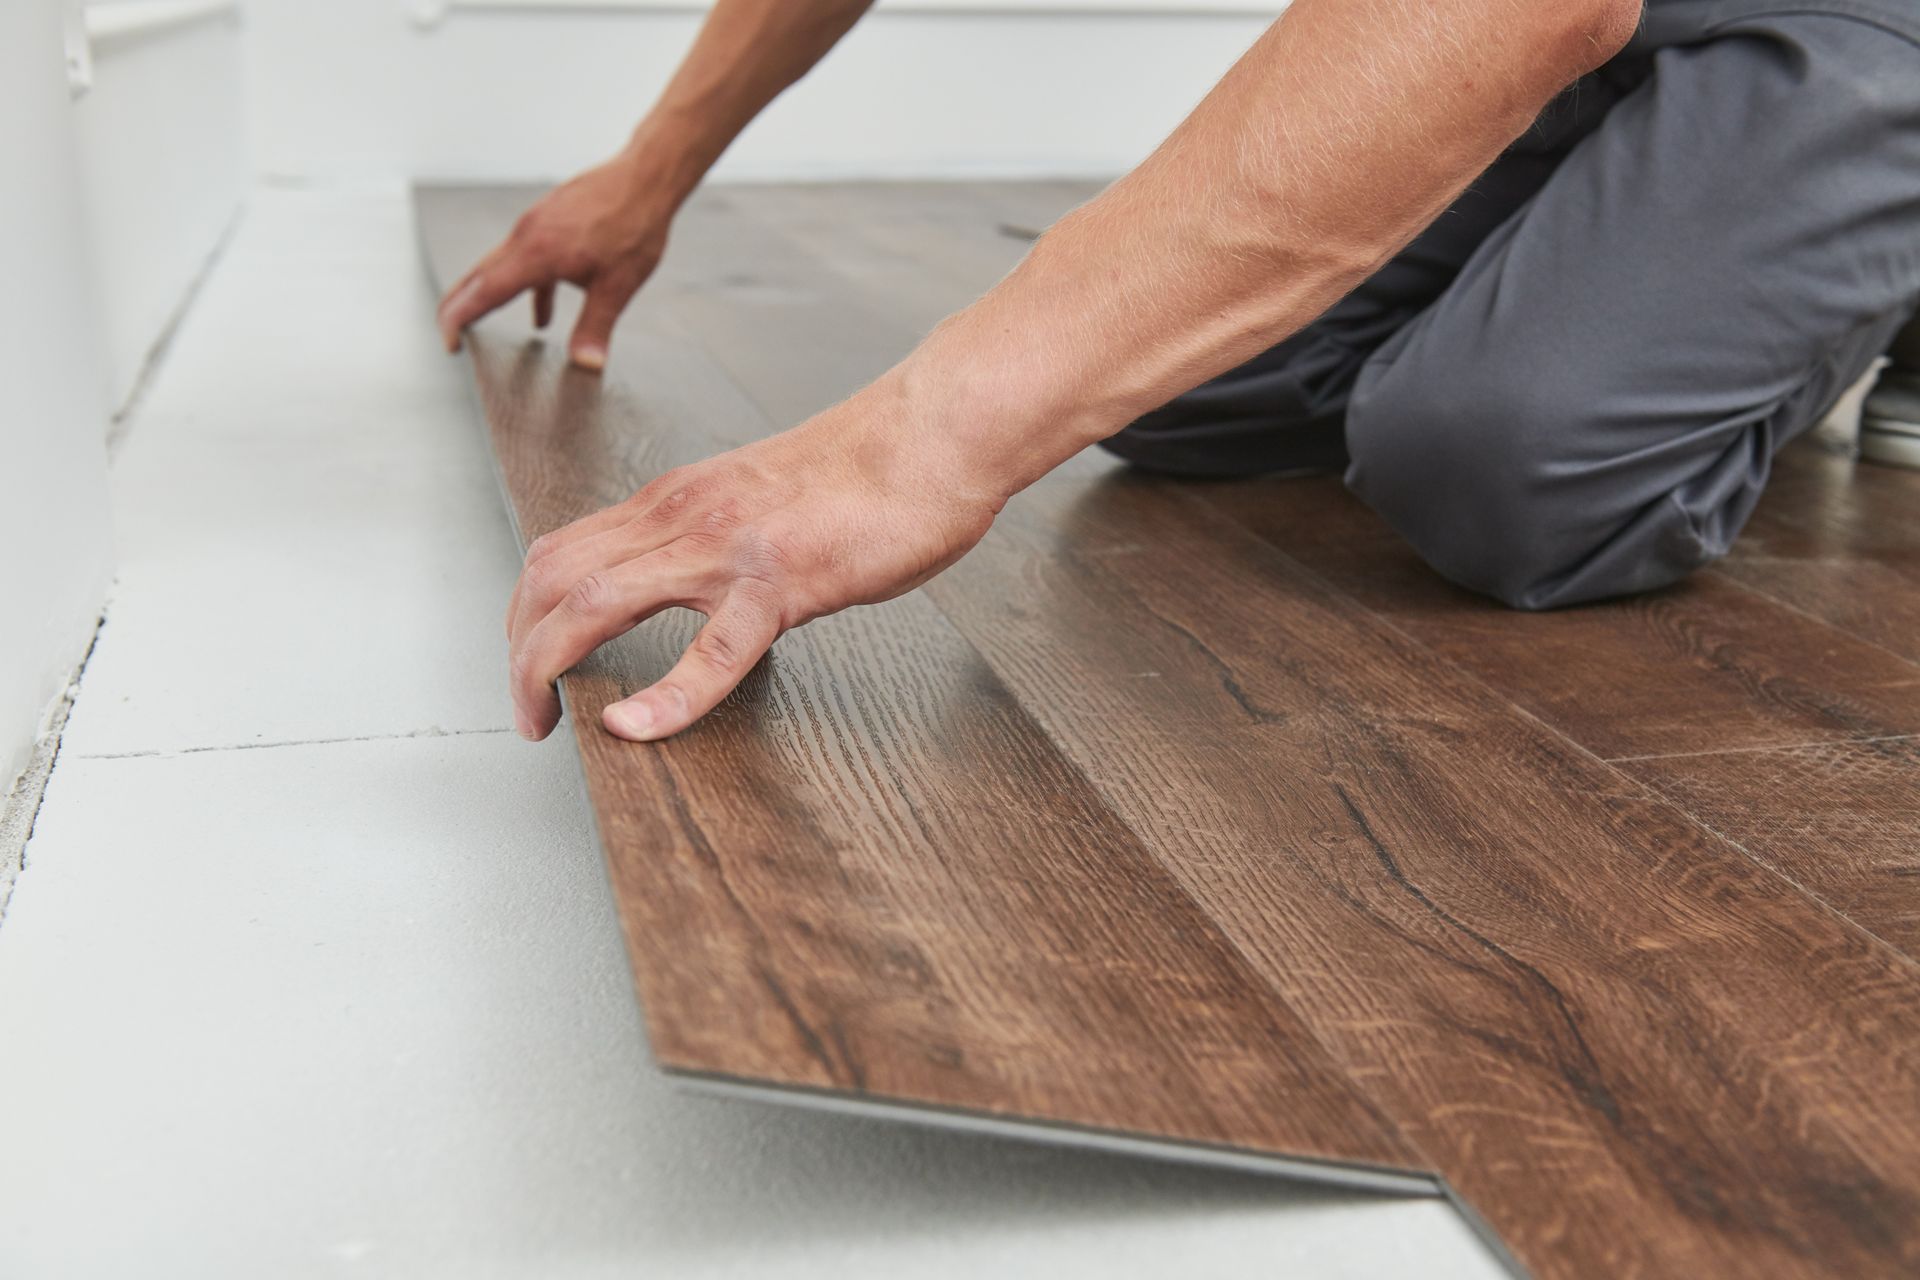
594	330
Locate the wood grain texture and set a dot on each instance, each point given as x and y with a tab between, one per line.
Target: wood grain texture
1574	1000
1804	647
1838	539
1694	690
1194	743
1842	819
1702	666
868	870
914	858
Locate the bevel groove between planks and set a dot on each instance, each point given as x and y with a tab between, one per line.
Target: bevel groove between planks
1491	952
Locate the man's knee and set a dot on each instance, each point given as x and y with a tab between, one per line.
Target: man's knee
1504	485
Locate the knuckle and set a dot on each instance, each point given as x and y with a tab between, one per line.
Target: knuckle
590	597
528	227
543	580
536	239
724	516
721	651
542	547
677	490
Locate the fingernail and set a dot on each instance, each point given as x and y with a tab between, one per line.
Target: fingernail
594	358
522	725
629	720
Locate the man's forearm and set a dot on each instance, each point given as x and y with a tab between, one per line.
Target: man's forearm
747	53
1348	128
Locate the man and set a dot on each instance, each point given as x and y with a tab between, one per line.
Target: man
1563	383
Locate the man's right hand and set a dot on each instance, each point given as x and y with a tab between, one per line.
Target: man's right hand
604	232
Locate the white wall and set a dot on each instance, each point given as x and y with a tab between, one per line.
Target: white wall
354	89
53	507
163	166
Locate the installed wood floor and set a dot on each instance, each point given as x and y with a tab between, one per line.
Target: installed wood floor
1205	815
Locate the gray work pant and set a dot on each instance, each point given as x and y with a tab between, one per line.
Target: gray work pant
1572	385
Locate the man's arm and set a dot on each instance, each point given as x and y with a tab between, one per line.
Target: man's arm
605	230
1347	128
1342	134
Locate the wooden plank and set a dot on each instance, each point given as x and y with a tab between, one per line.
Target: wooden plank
1842	819
1585	1010
1681	688
868	871
1552	980
1838	539
1631	1048
1702	666
797	332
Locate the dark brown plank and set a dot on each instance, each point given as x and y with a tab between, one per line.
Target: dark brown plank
1711	669
1703	666
799	331
1553	980
922	249
1841	818
1839	539
1584	1009
868	871
1632	1048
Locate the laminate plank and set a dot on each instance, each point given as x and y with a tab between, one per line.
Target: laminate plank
1583	1008
1632	1049
795	326
868	871
1713	668
892	264
1838	539
1549	977
1702	666
1841	818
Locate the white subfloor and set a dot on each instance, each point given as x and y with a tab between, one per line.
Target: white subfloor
312	968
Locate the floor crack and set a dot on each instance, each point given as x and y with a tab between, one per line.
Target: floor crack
162	753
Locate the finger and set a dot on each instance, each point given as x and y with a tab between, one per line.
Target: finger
594	330
736	637
547	545
491	286
542	305
597	608
586	529
458	293
657	506
544	583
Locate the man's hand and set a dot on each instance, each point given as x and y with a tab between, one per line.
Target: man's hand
851	507
604	231
1284	189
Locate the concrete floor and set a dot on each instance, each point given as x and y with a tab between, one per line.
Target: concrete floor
312	969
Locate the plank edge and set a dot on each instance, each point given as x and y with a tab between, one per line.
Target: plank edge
1353	1175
